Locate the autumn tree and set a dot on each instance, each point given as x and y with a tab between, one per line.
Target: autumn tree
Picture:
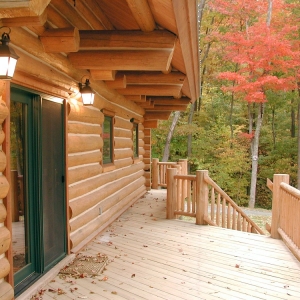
259	42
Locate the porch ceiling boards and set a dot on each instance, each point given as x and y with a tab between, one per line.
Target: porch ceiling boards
152	44
154	258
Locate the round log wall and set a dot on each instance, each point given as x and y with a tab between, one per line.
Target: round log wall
99	194
6	290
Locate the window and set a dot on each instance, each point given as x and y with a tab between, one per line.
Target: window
135	139
107	136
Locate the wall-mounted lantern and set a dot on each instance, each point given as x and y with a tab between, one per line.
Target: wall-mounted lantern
87	93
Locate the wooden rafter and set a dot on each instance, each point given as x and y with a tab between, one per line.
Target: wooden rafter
152	90
152	60
25	21
103	74
174	78
142	14
169	101
121	40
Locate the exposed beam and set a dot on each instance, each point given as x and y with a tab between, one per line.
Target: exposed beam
154	78
60	40
134	97
142	14
121	40
118	83
56	18
167	108
87	14
147	104
152	90
25	21
150	124
157	115
103	74
95	8
169	101
156	60
22	8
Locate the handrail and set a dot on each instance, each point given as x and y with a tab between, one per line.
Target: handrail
208	180
286	213
194	201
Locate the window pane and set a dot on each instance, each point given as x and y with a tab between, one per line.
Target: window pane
135	140
107	140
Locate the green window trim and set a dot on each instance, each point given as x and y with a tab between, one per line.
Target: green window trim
107	136
135	140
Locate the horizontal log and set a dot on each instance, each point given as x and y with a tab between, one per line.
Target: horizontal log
141	133
167	108
122	143
134	97
25	21
147	131
147	140
2	161
122	123
81	173
4	186
2	136
119	132
141	127
3	213
126	40
152	90
147	167
173	78
84	128
4	267
6	291
147	175
84	158
23	8
170	100
103	74
84	203
102	221
141	151
3	111
124	162
157	116
55	18
57	40
91	184
141	143
84	114
83	143
5	240
134	187
147	104
150	60
123	153
118	83
151	124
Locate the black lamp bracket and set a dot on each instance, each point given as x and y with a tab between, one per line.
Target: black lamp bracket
5	39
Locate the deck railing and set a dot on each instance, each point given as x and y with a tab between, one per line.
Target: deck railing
159	171
200	197
285	212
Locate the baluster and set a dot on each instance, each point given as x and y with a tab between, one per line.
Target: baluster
179	202
229	216
212	204
233	218
239	223
223	213
182	194
194	191
244	225
249	227
218	210
188	197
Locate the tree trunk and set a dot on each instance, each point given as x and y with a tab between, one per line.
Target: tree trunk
293	119
254	154
169	137
273	127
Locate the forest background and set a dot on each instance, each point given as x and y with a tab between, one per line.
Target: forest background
245	126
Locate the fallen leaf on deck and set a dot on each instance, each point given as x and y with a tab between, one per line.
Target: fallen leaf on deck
237	266
52	290
133	275
145	246
114	292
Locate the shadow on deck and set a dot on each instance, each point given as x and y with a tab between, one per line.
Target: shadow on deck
154	258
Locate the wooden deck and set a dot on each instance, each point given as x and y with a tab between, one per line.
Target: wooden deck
154	258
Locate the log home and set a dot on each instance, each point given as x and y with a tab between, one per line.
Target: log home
69	170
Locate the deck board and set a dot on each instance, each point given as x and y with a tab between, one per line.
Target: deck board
154	258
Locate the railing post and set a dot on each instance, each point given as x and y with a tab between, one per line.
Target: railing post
155	162
201	197
276	203
171	193
184	166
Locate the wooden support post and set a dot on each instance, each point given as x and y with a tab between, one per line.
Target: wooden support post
201	197
184	171
155	162
171	192
277	179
